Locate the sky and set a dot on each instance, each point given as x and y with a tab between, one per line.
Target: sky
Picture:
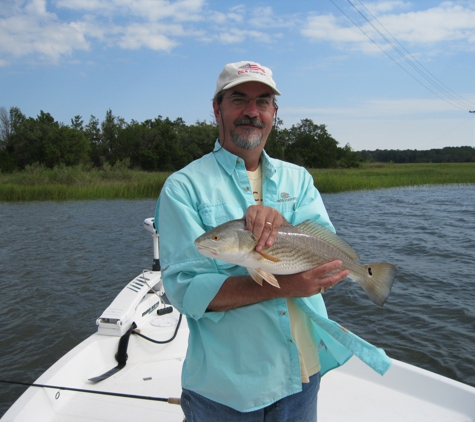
379	74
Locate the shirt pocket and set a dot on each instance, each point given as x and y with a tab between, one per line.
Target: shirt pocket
287	209
213	215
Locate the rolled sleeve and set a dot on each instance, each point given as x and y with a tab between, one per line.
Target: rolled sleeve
191	281
200	293
192	293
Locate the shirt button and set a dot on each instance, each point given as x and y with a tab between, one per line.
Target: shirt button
246	188
282	312
239	161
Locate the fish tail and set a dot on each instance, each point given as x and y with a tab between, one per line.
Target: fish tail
376	281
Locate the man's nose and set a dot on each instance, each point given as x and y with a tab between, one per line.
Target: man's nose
251	109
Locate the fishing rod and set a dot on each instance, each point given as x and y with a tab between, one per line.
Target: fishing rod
169	400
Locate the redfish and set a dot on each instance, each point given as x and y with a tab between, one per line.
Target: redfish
296	249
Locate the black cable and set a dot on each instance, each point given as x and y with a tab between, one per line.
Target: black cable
159	341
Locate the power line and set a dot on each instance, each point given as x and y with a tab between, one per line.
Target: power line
458	104
424	72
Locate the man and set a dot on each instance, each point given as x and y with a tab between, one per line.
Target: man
253	354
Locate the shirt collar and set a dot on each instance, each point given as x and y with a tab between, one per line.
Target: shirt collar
229	161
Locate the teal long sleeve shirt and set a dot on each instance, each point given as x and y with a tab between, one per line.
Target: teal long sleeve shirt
244	358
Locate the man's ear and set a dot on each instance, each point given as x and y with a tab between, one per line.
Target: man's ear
216	111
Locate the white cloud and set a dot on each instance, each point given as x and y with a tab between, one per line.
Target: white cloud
233	16
386	6
264	17
34	27
136	36
53	29
149	35
33	30
447	22
153	10
326	28
236	13
240	25
237	36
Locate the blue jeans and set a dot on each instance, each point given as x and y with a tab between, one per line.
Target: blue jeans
299	407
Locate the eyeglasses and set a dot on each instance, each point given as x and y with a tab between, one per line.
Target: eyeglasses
262	103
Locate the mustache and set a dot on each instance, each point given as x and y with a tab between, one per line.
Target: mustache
254	121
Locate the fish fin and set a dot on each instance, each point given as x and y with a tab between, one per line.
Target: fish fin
255	276
318	230
377	281
270	278
269	257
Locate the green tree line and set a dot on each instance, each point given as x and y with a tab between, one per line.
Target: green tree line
464	154
158	144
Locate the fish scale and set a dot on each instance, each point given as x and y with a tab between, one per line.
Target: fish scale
291	259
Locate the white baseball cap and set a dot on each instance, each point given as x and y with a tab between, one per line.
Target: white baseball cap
238	73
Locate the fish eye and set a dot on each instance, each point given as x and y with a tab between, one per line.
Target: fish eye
216	237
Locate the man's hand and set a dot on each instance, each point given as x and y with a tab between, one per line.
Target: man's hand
264	222
311	282
242	291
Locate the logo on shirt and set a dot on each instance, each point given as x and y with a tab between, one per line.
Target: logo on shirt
285	197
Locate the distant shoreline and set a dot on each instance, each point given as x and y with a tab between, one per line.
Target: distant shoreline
38	183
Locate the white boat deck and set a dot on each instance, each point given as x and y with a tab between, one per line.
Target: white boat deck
352	393
405	393
151	370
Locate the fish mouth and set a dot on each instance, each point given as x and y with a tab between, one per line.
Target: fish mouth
202	249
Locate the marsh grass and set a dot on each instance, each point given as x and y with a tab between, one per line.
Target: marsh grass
378	176
37	183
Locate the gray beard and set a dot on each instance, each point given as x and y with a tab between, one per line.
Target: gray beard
251	139
247	141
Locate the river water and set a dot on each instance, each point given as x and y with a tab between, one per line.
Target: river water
62	263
